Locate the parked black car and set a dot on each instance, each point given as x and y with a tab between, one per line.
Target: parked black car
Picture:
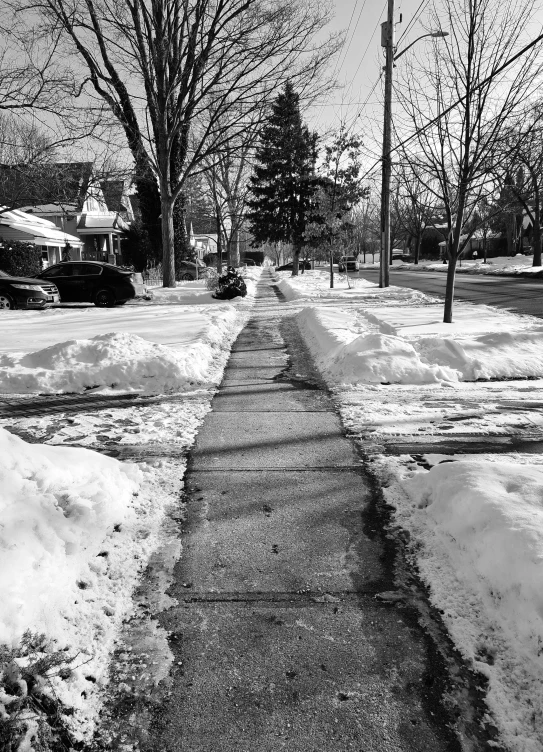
26	292
93	282
288	267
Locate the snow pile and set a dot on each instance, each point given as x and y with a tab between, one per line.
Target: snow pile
479	531
77	529
117	360
391	336
373	357
495	355
59	509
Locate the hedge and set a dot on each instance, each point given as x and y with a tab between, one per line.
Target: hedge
20	259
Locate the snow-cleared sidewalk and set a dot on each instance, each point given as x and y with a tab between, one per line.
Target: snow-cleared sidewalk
457	451
281	629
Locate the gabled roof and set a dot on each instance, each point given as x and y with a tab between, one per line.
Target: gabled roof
90	224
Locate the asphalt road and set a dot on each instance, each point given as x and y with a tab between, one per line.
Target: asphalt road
517	294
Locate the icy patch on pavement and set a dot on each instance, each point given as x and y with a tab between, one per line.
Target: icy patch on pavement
478	527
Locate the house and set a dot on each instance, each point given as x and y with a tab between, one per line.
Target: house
76	202
17	225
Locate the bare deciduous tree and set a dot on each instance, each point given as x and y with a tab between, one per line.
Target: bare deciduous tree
460	102
182	77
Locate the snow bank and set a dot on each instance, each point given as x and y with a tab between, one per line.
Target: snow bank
398	336
495	266
59	509
117	360
77	529
478	526
496	355
372	357
490	518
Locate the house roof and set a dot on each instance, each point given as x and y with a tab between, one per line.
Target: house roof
46	235
95	224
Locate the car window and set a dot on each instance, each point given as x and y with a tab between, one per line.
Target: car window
80	270
58	271
3	273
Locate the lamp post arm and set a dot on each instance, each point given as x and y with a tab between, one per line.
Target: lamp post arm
430	34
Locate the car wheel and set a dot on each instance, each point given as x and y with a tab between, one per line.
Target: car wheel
187	277
7	302
104	299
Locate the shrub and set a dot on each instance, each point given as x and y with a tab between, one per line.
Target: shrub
20	259
31	716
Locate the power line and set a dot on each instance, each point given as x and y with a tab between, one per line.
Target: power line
370	41
414	19
337	66
354	32
435	120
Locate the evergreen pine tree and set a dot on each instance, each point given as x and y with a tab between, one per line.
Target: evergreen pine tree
282	183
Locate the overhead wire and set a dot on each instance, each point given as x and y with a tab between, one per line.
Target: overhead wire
451	107
414	19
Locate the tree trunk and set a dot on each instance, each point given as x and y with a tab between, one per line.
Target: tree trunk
510	234
418	242
149	201
181	242
219	245
296	258
449	290
168	257
536	231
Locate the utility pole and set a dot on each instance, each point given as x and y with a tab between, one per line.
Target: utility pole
387	41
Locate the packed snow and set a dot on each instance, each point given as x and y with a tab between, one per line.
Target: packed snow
475	521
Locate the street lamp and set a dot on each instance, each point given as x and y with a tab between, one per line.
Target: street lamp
387	41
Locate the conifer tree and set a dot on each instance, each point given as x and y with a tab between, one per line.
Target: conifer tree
283	183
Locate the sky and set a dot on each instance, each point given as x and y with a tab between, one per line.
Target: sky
359	101
358	66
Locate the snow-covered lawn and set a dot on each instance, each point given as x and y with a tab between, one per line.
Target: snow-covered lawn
163	346
78	527
475	520
498	265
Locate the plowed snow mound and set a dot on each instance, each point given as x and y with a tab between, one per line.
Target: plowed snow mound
117	360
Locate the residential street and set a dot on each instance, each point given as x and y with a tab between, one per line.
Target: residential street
516	294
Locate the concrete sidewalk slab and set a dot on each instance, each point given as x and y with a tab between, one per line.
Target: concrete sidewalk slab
280	440
303	678
278	396
279	531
